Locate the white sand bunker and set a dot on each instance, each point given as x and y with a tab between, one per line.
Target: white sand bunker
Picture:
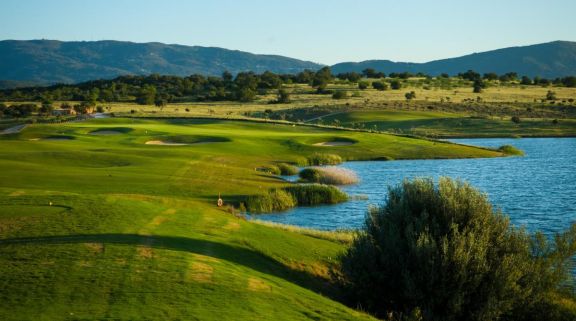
336	143
105	132
159	142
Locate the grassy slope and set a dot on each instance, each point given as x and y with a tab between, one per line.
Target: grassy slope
132	232
453	125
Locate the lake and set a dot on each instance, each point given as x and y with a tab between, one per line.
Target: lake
537	190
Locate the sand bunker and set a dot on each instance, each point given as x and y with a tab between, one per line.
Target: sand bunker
159	142
105	132
335	143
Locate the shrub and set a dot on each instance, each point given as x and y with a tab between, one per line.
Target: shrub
329	175
550	95
379	85
410	95
340	95
510	150
319	159
287	169
444	251
395	84
316	194
274	200
362	85
515	119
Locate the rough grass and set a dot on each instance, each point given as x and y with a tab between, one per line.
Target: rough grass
329	175
299	194
316	194
341	236
318	159
287	169
510	150
272	201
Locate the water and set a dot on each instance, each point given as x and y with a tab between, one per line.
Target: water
537	191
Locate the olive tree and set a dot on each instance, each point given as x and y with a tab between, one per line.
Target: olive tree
440	251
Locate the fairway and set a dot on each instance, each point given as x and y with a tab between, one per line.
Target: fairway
105	226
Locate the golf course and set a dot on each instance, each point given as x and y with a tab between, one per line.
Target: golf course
96	223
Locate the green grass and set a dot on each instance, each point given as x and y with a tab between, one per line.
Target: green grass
134	232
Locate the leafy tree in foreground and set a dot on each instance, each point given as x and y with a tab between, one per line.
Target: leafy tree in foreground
440	252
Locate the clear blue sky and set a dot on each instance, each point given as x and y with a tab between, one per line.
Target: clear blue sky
318	30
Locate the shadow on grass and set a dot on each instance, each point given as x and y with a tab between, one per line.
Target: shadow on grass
239	255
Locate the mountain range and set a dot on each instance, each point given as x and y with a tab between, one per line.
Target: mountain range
42	62
547	60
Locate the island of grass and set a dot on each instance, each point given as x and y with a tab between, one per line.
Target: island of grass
107	227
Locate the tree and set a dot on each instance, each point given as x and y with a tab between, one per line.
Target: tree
526	80
469	75
283	96
146	96
490	76
322	78
550	95
478	85
442	251
46	108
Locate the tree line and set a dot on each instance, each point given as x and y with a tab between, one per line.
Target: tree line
243	87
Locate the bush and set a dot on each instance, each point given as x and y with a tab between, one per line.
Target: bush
395	84
379	85
362	85
287	169
319	159
316	194
329	175
444	251
515	119
340	95
510	150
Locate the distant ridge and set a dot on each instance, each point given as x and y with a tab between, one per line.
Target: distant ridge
52	61
43	62
547	60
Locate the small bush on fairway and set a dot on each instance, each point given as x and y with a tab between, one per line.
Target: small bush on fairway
287	169
319	159
329	175
443	251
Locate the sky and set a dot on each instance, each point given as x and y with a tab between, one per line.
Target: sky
321	31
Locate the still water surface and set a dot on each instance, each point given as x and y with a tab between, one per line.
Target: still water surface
537	190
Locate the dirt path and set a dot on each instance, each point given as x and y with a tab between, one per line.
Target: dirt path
13	130
327	115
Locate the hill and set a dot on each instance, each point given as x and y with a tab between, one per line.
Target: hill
547	60
50	61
